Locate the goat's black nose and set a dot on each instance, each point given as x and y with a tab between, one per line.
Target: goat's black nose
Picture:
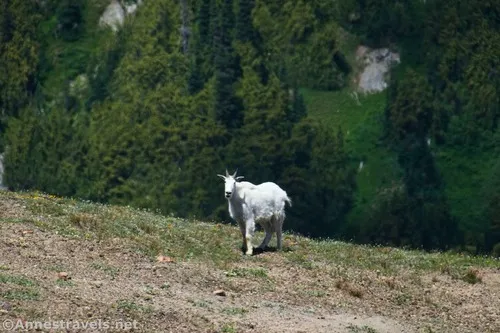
228	194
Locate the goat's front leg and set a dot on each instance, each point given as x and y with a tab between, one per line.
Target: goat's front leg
250	229
243	235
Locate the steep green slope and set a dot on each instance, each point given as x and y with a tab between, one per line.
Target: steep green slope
360	118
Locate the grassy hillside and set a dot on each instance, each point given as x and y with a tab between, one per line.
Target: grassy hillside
64	258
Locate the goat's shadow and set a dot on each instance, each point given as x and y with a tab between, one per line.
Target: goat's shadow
258	251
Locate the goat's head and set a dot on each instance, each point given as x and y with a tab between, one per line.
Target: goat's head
230	183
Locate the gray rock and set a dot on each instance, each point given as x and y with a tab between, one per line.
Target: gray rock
113	16
376	65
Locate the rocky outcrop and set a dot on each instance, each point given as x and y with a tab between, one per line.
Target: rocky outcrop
114	15
130	8
375	66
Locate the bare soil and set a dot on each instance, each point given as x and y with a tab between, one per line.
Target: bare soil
109	281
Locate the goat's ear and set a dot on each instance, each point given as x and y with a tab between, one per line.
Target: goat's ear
221	176
239	177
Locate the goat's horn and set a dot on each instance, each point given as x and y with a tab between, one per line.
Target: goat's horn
227	173
234	175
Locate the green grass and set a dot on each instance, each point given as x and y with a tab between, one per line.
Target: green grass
235	311
186	240
340	259
109	270
361	122
65	283
228	328
20	295
16	280
361	329
14	287
247	272
132	307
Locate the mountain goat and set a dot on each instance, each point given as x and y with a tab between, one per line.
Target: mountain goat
249	204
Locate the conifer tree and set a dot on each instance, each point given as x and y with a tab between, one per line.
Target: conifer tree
18	55
244	26
227	109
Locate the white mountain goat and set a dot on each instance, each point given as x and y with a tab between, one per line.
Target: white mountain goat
249	204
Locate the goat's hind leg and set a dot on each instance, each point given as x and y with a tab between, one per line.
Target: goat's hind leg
279	231
269	234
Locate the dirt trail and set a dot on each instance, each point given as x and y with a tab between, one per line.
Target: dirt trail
111	282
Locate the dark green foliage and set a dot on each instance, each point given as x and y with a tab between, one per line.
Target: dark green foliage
101	68
21	158
18	56
46	151
491	210
195	79
298	109
300	40
244	26
70	19
382	22
205	21
462	65
202	46
227	108
496	250
324	189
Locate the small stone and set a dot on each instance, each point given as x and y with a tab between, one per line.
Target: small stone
6	306
97	284
220	292
63	276
164	259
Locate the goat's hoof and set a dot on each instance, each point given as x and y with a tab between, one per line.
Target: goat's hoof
249	252
258	250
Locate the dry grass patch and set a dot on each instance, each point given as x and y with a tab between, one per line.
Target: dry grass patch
350	288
